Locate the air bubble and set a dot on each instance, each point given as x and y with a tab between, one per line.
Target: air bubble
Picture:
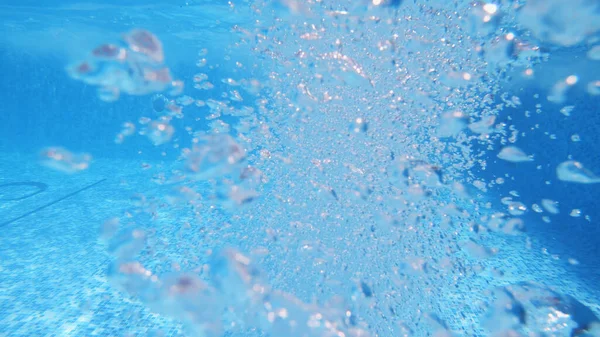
201	63
483	126
230	82
185	100
204	86
127	129
516	208
159	103
567	110
550	205
159	132
234	95
514	154
571	80
574	171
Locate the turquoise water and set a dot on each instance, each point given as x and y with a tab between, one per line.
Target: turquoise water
284	168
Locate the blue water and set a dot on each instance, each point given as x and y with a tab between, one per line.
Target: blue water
330	208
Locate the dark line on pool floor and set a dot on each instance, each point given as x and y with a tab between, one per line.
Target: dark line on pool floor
51	203
40	186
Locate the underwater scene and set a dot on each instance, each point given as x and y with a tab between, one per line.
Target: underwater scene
300	168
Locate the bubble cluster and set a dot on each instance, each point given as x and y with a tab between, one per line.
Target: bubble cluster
233	284
530	309
133	66
561	23
158	131
61	159
344	146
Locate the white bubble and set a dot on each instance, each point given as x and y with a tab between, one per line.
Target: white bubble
514	154
576	213
550	205
159	132
571	80
574	171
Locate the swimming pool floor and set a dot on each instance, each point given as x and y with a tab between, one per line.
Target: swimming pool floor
53	265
